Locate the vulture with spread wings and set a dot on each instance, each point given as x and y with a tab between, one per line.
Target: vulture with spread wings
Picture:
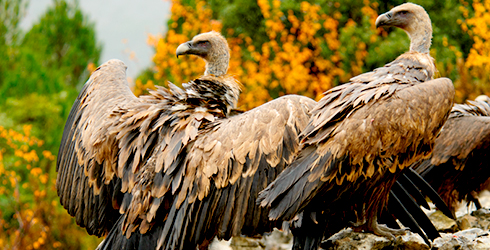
459	165
173	169
361	136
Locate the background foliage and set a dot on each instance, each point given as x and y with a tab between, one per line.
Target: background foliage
41	71
306	47
277	47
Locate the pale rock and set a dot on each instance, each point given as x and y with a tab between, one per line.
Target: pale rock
467	221
278	240
220	244
451	241
479	219
482	213
247	243
410	241
348	239
471	234
443	223
482	243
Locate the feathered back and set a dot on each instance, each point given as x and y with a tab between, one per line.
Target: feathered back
110	135
361	136
458	164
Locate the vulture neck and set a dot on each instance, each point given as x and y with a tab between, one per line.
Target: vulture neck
218	64
420	34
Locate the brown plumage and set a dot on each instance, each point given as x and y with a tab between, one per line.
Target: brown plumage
177	167
363	133
108	125
459	163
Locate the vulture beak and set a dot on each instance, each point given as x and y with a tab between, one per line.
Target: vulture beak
184	49
384	19
191	48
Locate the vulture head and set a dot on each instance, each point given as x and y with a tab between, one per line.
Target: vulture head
210	46
414	20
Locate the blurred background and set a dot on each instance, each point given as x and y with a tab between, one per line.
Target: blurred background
48	49
121	27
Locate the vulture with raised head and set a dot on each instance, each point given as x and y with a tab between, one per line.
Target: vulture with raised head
360	137
172	170
459	167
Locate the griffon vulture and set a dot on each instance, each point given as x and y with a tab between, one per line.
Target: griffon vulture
360	137
172	170
459	163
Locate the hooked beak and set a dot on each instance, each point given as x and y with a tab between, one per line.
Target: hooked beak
384	19
184	49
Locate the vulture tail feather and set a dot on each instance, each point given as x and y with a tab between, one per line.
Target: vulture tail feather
413	190
414	209
430	192
116	239
396	206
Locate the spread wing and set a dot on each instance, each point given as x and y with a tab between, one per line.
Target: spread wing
350	130
224	169
244	154
110	138
85	180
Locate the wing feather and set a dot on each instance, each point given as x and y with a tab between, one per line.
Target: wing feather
456	168
265	144
111	135
456	143
337	128
225	167
80	173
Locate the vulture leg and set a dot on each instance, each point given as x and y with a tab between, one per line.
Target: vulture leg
371	225
204	245
388	218
472	197
383	230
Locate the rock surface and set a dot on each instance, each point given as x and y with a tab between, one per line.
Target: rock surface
468	232
479	219
442	222
473	238
277	240
347	240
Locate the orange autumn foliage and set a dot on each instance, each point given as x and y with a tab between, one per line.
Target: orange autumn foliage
18	233
475	69
304	53
30	214
290	62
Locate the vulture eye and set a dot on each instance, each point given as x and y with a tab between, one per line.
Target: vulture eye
403	13
203	43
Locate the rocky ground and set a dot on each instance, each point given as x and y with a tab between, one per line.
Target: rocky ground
469	232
